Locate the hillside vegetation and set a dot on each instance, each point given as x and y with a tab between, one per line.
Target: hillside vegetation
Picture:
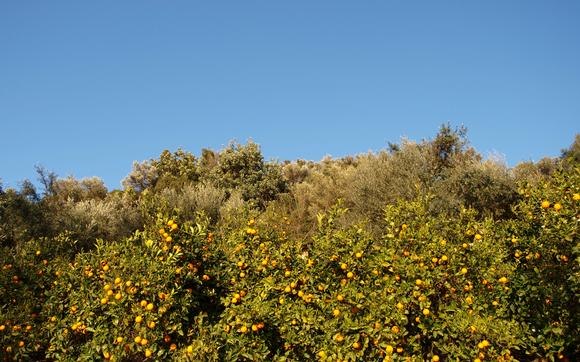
423	251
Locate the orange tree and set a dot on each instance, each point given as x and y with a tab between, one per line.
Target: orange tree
432	288
545	250
26	274
134	299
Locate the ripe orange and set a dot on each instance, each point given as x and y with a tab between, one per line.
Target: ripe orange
545	204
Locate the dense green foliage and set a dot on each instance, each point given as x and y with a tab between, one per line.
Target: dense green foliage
424	251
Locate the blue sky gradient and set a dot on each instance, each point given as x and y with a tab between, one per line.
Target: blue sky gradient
86	88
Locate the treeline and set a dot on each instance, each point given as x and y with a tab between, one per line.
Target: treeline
422	251
220	183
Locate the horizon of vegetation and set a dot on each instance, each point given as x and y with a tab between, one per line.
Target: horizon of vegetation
423	251
494	156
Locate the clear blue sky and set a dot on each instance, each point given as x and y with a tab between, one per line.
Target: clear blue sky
87	87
